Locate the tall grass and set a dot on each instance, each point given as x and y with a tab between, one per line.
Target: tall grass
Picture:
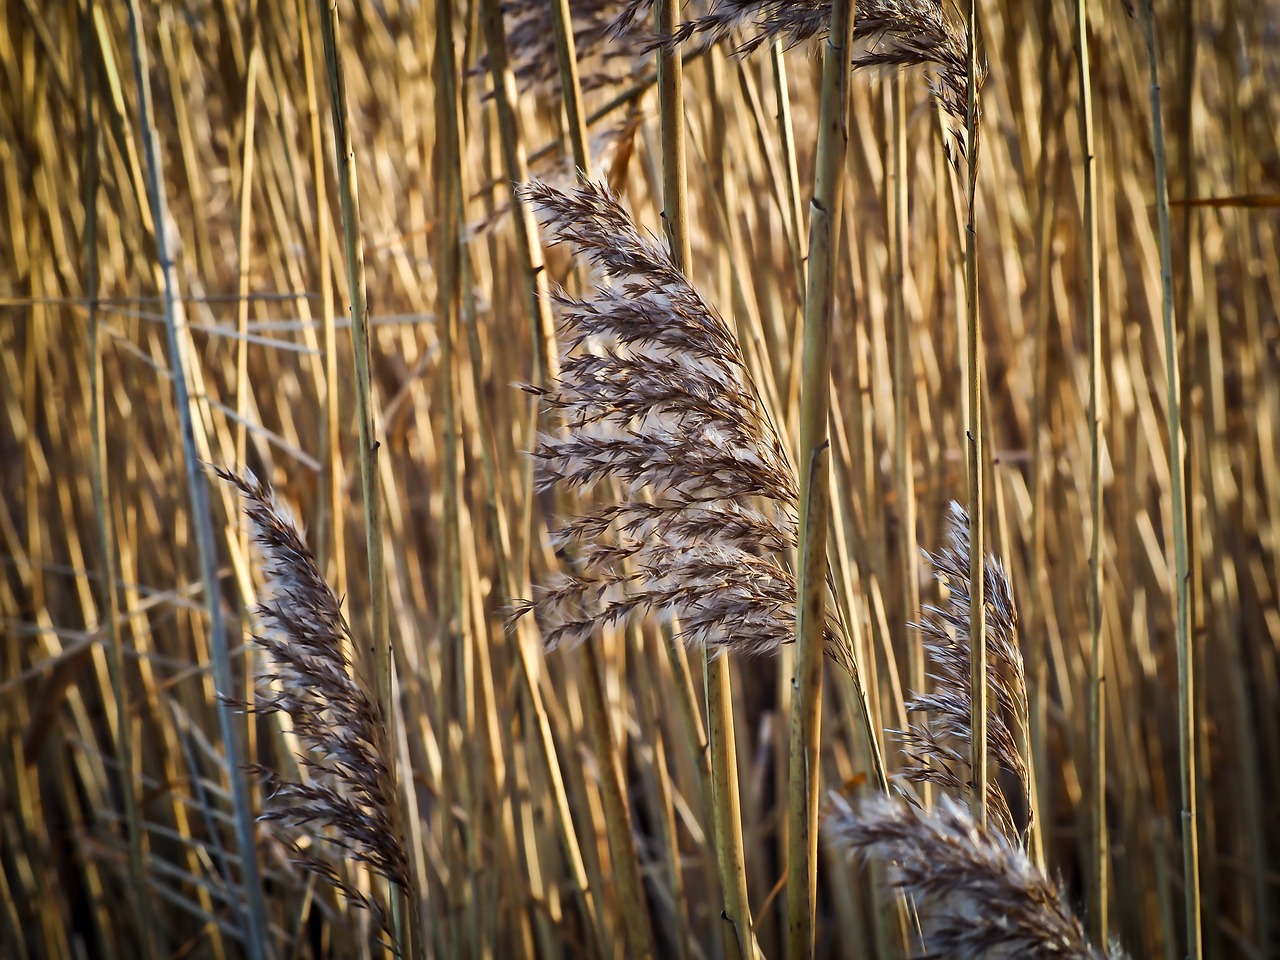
182	238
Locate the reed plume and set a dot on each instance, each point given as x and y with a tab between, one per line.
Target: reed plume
654	395
937	749
347	800
886	33
978	893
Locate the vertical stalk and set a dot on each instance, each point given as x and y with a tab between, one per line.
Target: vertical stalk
675	196
454	700
256	943
1097	840
1186	661
787	143
725	796
976	365
331	538
570	85
1038	654
815	493
140	898
903	376
626	861
407	930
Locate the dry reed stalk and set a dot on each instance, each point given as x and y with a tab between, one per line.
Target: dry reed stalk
350	796
1099	900
252	902
975	367
455	700
406	901
110	603
571	85
1185	655
903	377
721	736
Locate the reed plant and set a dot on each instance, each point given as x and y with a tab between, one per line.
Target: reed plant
621	356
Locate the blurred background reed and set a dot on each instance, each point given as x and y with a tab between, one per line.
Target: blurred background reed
207	203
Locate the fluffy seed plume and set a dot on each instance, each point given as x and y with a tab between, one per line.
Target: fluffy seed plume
348	796
937	748
887	33
654	398
977	893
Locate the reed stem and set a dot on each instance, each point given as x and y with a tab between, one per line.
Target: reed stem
1097	847
977	454
1186	659
405	917
251	899
110	605
815	492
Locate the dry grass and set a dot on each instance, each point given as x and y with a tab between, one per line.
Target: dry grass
120	829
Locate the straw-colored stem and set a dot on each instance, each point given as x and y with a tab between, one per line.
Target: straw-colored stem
903	388
1097	843
454	707
528	249
1186	660
973	429
675	195
570	85
408	931
815	492
1035	651
787	143
110	606
252	898
331	526
725	789
725	797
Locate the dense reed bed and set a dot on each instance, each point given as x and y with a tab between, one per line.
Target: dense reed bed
521	677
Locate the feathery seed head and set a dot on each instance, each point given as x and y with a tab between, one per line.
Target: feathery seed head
348	795
979	895
654	396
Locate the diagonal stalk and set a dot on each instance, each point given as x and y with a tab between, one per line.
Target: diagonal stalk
201	510
140	897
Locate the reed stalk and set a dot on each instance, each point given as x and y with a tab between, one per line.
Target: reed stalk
140	898
571	85
903	382
815	494
718	686
406	904
1178	508
976	364
622	847
251	900
1096	726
